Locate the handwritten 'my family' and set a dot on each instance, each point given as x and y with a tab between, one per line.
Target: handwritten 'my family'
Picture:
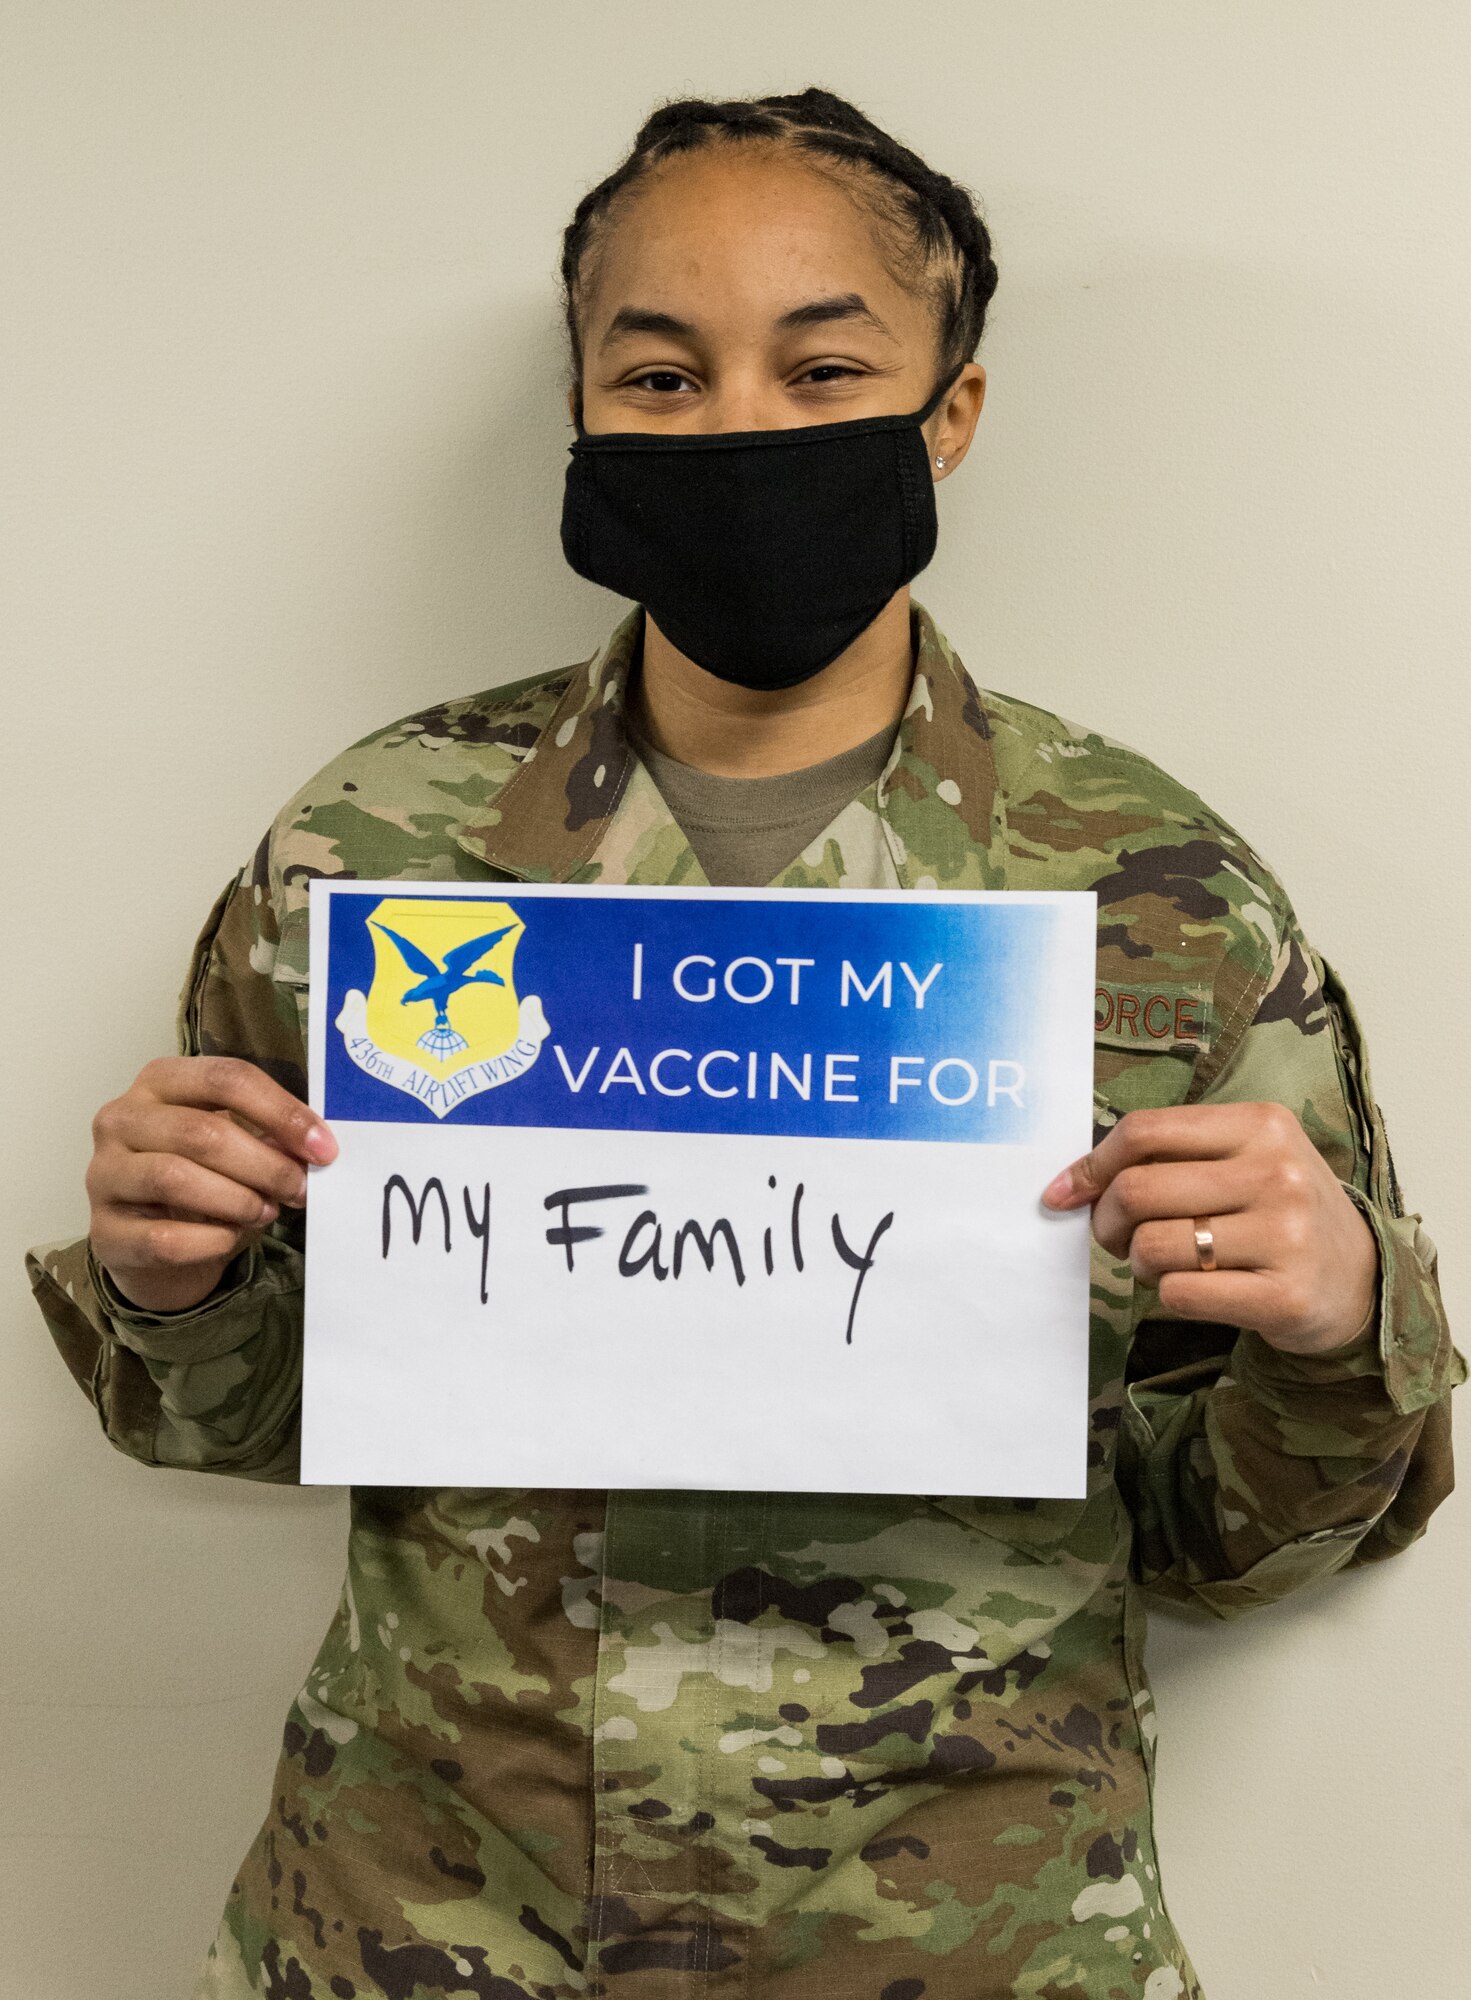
651	1245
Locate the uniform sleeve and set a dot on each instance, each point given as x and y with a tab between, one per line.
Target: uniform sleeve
216	1388
1249	1471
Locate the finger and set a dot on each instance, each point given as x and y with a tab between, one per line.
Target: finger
226	1083
213	1140
188	1191
1175	1132
1144	1194
141	1242
1235	1298
1237	1244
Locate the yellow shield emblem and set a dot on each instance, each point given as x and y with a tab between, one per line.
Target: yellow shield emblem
444	993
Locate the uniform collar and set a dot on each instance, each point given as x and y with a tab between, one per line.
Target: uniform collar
549	818
939	799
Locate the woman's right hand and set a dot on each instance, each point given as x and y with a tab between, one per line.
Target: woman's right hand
187	1165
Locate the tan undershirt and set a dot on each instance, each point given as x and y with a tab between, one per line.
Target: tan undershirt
744	831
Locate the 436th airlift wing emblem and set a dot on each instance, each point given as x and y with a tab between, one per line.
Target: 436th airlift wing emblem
441	1018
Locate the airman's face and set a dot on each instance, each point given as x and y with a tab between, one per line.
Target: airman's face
738	290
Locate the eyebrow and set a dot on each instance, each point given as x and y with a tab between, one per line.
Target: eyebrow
815	312
639	319
818	312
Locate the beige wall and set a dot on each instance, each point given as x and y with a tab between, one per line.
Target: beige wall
282	450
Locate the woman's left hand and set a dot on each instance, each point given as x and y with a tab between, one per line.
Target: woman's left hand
1295	1260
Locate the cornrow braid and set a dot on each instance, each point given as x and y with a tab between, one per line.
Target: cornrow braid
928	218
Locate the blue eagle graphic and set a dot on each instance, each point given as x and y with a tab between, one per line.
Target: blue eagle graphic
440	983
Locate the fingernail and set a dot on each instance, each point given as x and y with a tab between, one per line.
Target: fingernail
1059	1189
268	1212
320	1144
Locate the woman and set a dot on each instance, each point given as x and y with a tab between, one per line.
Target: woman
650	1743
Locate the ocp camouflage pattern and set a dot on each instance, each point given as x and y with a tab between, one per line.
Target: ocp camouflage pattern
653	1744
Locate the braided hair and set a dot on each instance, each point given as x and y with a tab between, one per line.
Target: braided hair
927	219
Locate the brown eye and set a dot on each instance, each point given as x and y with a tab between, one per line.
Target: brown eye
660	381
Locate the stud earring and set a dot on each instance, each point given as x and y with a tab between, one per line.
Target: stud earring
940	462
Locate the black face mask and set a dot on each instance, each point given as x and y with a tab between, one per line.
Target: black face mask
759	554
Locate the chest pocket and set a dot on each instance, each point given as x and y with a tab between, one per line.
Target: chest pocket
1147	1041
1171	1017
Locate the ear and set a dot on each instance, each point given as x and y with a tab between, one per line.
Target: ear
951	428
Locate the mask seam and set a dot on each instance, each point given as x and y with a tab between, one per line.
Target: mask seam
579	521
909	486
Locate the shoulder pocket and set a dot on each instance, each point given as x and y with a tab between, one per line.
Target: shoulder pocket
191	993
1381	1181
232	1003
292	967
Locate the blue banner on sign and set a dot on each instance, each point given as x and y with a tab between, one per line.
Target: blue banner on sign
829	1017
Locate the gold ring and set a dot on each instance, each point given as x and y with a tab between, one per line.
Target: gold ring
1205	1243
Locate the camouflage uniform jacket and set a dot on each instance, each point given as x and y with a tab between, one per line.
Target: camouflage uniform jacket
649	1744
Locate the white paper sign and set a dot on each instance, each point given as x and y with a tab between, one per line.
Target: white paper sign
713	1189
